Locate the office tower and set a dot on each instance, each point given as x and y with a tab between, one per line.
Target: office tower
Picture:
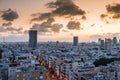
32	38
75	40
114	41
108	44
99	41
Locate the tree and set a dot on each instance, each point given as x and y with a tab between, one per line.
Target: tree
105	61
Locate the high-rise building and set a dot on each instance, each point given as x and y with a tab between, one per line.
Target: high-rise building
75	40
32	38
114	41
101	43
108	44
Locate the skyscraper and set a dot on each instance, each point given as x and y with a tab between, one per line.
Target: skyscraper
114	41
101	43
108	44
75	40
32	38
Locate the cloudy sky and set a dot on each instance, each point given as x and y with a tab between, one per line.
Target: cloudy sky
59	19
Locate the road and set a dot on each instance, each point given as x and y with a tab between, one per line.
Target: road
51	72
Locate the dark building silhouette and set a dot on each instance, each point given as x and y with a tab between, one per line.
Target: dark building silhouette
108	44
32	38
101	43
114	41
75	40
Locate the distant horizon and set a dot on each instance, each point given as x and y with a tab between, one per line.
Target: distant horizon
59	19
69	41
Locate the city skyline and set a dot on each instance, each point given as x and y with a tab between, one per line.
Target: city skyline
59	20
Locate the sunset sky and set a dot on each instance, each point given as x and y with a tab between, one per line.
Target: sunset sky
59	19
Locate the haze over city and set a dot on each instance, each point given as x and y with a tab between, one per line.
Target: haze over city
59	39
59	19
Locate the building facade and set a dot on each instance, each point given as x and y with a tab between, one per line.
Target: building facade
32	38
114	41
108	44
75	40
